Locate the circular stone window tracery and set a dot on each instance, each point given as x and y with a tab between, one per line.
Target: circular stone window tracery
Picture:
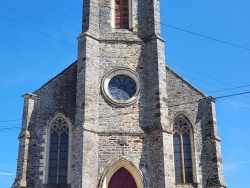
121	86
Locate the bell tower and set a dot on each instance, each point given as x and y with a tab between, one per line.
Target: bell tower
118	116
121	92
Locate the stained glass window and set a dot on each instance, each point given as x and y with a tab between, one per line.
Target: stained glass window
122	87
182	151
177	157
121	14
58	157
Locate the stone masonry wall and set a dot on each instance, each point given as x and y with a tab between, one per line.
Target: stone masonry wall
115	55
56	96
186	100
143	150
110	149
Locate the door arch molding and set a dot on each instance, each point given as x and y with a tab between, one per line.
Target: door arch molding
116	165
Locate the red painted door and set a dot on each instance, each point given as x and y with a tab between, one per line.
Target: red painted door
122	179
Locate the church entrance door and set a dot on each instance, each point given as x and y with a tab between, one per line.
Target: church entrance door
122	179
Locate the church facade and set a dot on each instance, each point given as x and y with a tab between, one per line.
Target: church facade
118	117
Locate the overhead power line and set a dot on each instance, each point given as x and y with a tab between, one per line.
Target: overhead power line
236	105
50	17
10	120
45	5
37	30
166	25
187	31
218	97
63	41
236	94
212	71
58	2
209	78
9	129
202	74
228	89
173	27
207	37
74	37
6	171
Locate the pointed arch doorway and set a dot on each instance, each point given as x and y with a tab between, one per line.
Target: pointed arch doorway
122	179
122	174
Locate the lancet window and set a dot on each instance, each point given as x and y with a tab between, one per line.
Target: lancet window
121	14
58	152
182	151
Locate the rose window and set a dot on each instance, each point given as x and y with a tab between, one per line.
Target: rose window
122	87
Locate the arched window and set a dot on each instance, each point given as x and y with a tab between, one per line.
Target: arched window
182	151
121	14
58	152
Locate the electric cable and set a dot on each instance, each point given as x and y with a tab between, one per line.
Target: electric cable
212	71
57	11
207	37
186	31
189	102
6	171
52	18
201	74
37	30
210	78
58	2
228	89
74	37
10	120
232	95
8	18
167	25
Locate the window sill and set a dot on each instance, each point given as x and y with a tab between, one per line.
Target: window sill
186	185
57	186
121	35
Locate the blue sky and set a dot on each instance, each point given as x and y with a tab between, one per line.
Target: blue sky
36	44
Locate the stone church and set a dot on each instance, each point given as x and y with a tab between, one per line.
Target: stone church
118	117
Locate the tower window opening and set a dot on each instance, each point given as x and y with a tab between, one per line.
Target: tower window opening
121	14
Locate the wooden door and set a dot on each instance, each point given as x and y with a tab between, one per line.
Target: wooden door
122	179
